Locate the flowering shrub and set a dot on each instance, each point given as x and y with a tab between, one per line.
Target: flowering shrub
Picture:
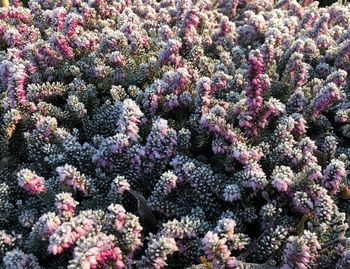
174	133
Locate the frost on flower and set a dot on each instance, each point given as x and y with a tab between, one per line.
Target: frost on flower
96	251
71	177
31	182
17	259
157	252
231	120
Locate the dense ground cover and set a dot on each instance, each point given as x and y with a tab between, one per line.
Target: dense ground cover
174	133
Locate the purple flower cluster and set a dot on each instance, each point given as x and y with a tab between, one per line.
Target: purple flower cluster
174	134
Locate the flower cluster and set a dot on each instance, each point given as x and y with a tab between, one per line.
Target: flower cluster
301	251
65	204
174	133
30	181
20	260
96	251
70	177
157	252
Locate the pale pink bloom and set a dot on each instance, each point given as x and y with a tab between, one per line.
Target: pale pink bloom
31	182
65	204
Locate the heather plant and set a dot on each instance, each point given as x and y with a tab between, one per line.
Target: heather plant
174	134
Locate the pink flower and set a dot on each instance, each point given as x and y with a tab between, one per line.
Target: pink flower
215	121
63	47
333	175
120	185
65	204
46	225
282	177
254	176
31	182
170	53
159	248
70	232
324	98
297	71
130	117
215	249
97	251
15	77
117	216
71	177
254	88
